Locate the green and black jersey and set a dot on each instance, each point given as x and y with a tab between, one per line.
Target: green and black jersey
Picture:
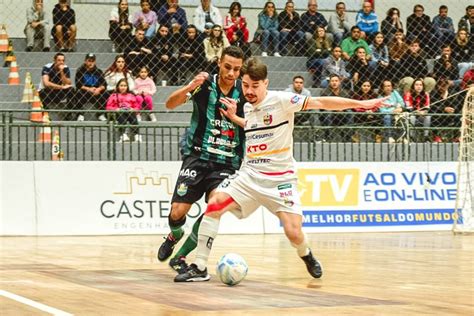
212	136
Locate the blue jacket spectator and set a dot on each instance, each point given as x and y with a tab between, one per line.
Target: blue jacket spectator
311	19
367	20
173	16
443	26
268	28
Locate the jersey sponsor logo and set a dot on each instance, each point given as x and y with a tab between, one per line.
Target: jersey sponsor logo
222	123
221	142
188	173
288	202
256	148
258	161
267	119
182	189
229	133
224	184
258	136
215	132
284	186
218	151
295	99
224	174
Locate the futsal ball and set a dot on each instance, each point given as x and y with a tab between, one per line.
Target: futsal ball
231	269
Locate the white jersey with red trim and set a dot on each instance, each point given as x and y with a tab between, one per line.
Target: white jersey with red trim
269	134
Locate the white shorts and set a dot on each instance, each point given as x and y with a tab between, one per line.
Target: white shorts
250	192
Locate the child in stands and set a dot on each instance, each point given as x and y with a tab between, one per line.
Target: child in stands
145	88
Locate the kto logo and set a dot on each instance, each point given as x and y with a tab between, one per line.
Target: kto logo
329	187
256	148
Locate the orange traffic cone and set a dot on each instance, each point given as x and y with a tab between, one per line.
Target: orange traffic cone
45	134
14	76
10	54
56	153
36	115
28	95
3	39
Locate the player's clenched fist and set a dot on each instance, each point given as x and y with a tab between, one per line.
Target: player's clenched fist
198	80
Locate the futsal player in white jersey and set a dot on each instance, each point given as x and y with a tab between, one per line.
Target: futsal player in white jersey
267	176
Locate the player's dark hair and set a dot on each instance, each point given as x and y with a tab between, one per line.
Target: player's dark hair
233	51
255	69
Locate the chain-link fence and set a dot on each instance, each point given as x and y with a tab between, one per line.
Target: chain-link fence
419	55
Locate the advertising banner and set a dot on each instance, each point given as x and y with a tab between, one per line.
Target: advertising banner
374	197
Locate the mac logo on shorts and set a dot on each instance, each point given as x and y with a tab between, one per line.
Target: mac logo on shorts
182	189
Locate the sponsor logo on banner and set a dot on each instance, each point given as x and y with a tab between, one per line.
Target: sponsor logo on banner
142	202
358	197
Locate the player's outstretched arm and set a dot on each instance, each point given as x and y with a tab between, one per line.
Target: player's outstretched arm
338	104
180	96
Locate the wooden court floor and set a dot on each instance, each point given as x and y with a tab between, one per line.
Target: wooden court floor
364	274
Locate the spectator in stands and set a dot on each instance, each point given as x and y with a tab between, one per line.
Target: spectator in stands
397	48
138	52
37	26
442	103
234	21
468	79
90	87
360	67
364	116
64	26
118	70
206	13
329	118
443	26
391	24
162	51
173	16
145	88
213	47
56	85
413	65
298	87
191	56
463	51
419	27
267	30
124	104
120	30
311	20
145	19
446	67
157	4
319	48
467	21
367	21
350	44
338	24
290	29
417	101
381	58
238	40
393	105
335	65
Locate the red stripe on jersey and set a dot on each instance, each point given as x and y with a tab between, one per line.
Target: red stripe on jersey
277	173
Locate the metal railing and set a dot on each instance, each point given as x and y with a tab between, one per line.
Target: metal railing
93	140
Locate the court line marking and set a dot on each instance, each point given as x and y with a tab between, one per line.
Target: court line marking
26	301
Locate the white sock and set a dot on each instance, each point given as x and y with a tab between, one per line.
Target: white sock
207	232
303	248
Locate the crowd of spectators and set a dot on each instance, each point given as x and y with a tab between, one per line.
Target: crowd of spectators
362	58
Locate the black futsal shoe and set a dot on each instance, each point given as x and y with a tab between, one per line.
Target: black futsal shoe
193	274
179	264
166	248
313	265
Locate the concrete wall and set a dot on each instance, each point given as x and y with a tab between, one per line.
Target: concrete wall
92	19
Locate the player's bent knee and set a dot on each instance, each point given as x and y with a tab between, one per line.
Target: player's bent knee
176	222
217	205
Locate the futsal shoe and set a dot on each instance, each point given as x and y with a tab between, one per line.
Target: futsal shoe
166	248
179	264
313	265
193	274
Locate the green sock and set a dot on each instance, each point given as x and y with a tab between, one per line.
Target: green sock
191	242
177	231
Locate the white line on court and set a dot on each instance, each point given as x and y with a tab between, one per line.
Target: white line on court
44	308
